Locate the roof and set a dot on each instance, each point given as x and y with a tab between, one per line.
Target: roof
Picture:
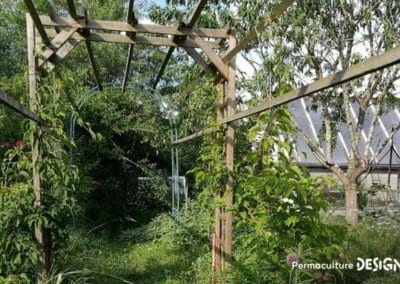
311	122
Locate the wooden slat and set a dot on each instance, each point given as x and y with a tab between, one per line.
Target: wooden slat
215	59
127	66
59	55
74	15
57	42
41	266
139	28
62	37
15	105
37	21
130	18
198	134
229	152
143	40
375	63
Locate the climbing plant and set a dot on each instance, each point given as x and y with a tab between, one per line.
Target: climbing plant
18	247
277	204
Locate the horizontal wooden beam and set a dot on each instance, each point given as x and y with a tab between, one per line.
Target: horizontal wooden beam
370	65
19	108
138	28
143	40
375	63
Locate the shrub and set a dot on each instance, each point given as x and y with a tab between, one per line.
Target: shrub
372	238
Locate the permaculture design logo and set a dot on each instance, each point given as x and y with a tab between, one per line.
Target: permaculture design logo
370	264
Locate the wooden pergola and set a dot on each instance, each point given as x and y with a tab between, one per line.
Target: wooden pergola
52	38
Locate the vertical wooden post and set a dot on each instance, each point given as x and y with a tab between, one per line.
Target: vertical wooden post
230	141
218	214
41	263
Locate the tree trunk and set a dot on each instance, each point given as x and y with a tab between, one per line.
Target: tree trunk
351	204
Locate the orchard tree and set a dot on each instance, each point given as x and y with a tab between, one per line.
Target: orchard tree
315	39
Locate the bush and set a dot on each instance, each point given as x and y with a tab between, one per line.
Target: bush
372	238
17	245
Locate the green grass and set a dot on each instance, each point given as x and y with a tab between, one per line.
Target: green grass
110	261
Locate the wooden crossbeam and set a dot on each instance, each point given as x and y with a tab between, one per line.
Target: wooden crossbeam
114	26
26	112
190	23
37	21
131	20
375	63
141	40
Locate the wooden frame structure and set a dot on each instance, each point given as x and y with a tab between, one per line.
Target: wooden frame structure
52	38
58	36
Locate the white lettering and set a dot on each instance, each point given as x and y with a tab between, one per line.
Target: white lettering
360	264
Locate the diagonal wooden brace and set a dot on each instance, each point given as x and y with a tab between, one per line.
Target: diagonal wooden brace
215	59
62	44
59	55
200	60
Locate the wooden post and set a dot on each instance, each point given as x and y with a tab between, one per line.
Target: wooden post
230	141
218	214
41	259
